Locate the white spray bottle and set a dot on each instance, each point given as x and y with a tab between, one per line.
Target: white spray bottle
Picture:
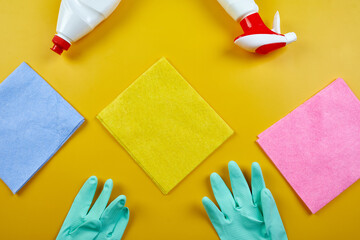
77	18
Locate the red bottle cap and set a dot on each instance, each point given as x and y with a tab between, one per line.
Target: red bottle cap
60	44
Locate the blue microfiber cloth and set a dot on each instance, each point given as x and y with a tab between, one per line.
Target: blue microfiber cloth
35	121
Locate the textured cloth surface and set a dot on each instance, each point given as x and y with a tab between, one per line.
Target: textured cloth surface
164	125
35	121
317	146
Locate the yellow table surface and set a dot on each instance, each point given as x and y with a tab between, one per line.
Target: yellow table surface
250	92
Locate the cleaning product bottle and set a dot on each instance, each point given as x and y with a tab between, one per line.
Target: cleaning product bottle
257	37
79	17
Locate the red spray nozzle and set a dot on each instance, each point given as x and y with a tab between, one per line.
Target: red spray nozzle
259	38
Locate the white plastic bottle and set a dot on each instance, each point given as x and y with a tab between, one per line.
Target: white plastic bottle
79	17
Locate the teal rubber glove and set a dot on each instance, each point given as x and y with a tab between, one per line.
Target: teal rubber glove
244	215
100	222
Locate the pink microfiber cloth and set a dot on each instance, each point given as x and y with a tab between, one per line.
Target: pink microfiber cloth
317	146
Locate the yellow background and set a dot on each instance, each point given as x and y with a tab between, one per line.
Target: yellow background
250	92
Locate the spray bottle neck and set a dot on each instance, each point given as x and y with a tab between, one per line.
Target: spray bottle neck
253	24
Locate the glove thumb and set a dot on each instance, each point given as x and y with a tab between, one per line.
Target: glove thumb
272	219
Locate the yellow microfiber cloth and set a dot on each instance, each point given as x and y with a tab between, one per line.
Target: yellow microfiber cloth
165	125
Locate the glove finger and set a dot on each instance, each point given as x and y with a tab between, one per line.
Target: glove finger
257	183
121	224
216	217
113	209
239	186
83	200
102	201
222	193
115	218
272	219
